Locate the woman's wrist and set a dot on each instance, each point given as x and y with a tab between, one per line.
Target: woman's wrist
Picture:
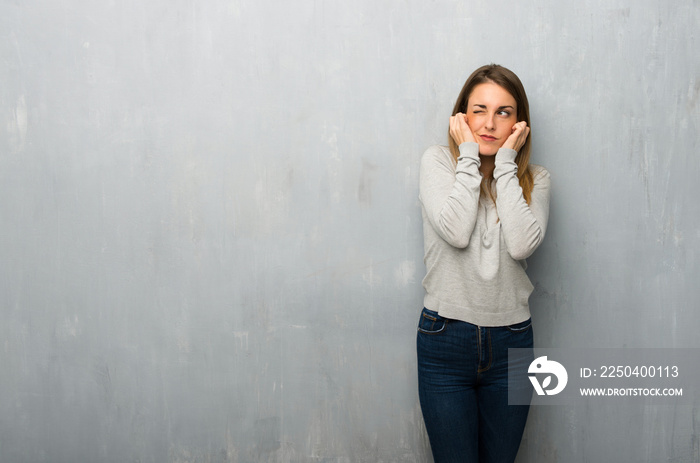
506	155
469	149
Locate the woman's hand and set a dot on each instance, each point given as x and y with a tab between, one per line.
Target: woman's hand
459	129
518	135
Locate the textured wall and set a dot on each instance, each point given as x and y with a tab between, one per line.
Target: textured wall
211	243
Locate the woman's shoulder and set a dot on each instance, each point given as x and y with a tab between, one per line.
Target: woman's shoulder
540	178
539	172
438	153
437	150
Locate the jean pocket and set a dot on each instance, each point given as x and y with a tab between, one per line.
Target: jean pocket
431	323
520	327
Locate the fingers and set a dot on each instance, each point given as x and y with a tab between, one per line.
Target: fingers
520	130
519	134
459	128
462	121
467	135
454	130
522	125
453	127
459	120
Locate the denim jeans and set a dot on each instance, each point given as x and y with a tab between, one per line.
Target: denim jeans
463	389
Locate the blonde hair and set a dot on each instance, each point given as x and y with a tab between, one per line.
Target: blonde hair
507	79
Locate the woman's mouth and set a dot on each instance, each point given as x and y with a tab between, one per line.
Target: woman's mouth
487	138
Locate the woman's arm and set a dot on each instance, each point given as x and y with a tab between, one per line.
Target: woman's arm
451	196
523	225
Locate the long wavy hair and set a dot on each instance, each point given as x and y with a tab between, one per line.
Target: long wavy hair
511	83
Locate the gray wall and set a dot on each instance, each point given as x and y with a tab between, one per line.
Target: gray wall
211	242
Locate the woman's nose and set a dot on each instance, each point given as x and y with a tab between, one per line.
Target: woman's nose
490	124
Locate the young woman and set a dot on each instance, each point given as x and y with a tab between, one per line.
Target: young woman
485	210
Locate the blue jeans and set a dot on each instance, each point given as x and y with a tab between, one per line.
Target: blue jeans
463	389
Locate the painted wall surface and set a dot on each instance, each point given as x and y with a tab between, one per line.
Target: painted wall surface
211	244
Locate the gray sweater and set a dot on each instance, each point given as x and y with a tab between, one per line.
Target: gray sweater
475	250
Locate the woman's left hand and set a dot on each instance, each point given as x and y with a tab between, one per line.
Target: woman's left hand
517	138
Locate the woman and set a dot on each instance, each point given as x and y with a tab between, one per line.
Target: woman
485	210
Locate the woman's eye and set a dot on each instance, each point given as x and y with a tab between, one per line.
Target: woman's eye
504	113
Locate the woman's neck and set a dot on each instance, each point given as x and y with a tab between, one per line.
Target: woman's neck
487	165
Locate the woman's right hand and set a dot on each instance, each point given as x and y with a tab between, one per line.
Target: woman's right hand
459	129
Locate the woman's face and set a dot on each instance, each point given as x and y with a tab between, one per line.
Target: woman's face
491	114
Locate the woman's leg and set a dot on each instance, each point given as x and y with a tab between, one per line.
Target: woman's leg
447	365
501	425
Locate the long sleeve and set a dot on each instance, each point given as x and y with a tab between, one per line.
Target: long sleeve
450	196
523	226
